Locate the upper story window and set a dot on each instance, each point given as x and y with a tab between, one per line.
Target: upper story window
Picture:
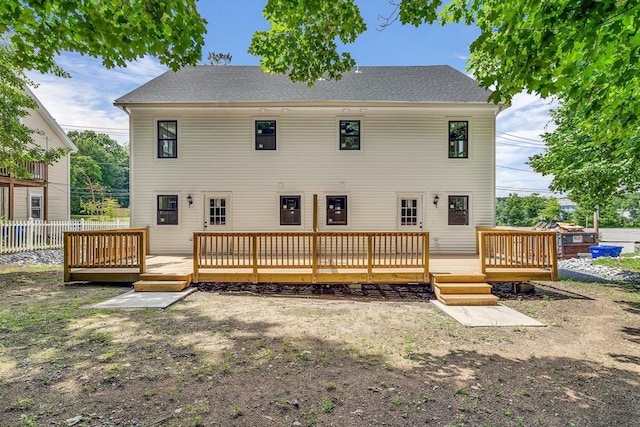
167	210
349	134
458	210
265	134
167	139
336	210
35	207
458	139
290	212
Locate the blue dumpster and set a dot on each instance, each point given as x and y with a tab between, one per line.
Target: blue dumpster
605	250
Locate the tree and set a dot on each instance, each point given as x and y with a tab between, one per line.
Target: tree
216	58
117	31
518	211
17	148
99	170
33	32
551	210
589	172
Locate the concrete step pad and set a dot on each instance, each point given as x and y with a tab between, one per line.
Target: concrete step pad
160	285
462	288
468	299
457	278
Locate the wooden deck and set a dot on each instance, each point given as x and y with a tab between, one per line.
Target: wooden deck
313	258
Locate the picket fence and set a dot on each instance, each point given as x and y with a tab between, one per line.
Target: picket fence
31	235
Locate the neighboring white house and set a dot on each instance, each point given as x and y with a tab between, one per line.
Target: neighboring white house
384	148
46	196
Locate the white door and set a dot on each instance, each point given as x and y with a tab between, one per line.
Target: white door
410	208
217	211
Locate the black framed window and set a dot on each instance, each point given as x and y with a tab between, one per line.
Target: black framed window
290	212
349	134
458	139
458	210
167	210
167	139
336	210
265	134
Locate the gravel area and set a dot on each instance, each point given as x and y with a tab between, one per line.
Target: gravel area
44	257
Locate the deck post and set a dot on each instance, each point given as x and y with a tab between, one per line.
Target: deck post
196	256
482	250
425	256
67	257
142	251
369	258
314	256
254	248
553	253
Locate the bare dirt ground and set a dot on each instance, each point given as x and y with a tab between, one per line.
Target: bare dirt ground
235	358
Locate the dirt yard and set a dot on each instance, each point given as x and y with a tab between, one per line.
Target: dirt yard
233	358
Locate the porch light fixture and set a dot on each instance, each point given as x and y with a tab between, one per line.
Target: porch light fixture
436	199
189	200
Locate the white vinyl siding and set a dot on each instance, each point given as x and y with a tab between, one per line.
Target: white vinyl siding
406	151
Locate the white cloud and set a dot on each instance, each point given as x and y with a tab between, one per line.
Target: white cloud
85	101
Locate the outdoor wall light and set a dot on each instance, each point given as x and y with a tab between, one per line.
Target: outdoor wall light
436	199
189	200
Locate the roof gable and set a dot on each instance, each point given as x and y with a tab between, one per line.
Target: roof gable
244	84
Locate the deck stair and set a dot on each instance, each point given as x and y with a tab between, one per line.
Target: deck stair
162	282
462	289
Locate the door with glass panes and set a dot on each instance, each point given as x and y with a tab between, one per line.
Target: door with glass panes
410	212
217	211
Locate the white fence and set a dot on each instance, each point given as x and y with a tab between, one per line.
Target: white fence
21	236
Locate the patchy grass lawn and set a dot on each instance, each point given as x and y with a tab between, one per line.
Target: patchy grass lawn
240	359
629	262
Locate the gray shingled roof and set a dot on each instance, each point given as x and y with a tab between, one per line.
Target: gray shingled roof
240	84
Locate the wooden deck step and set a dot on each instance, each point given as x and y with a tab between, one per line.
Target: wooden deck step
468	299
462	288
160	285
166	276
457	278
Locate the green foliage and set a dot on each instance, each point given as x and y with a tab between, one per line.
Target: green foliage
517	211
17	148
216	58
117	31
551	211
303	39
99	169
104	209
589	171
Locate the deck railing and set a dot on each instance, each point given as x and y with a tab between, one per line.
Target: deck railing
310	250
105	249
37	171
513	249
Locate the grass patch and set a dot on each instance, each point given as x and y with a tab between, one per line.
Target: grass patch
629	262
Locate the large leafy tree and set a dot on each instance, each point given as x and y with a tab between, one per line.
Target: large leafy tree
520	211
33	32
99	170
17	148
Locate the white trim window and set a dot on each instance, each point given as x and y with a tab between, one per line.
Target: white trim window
35	206
265	135
458	139
350	136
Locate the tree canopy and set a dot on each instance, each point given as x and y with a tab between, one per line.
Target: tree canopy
99	170
114	30
33	32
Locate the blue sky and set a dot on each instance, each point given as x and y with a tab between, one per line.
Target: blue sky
86	100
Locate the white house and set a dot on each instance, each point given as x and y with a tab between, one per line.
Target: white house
46	195
384	148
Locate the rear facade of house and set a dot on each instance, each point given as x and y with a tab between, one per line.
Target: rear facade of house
230	148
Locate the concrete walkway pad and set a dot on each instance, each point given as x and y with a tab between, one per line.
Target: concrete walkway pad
133	299
489	315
